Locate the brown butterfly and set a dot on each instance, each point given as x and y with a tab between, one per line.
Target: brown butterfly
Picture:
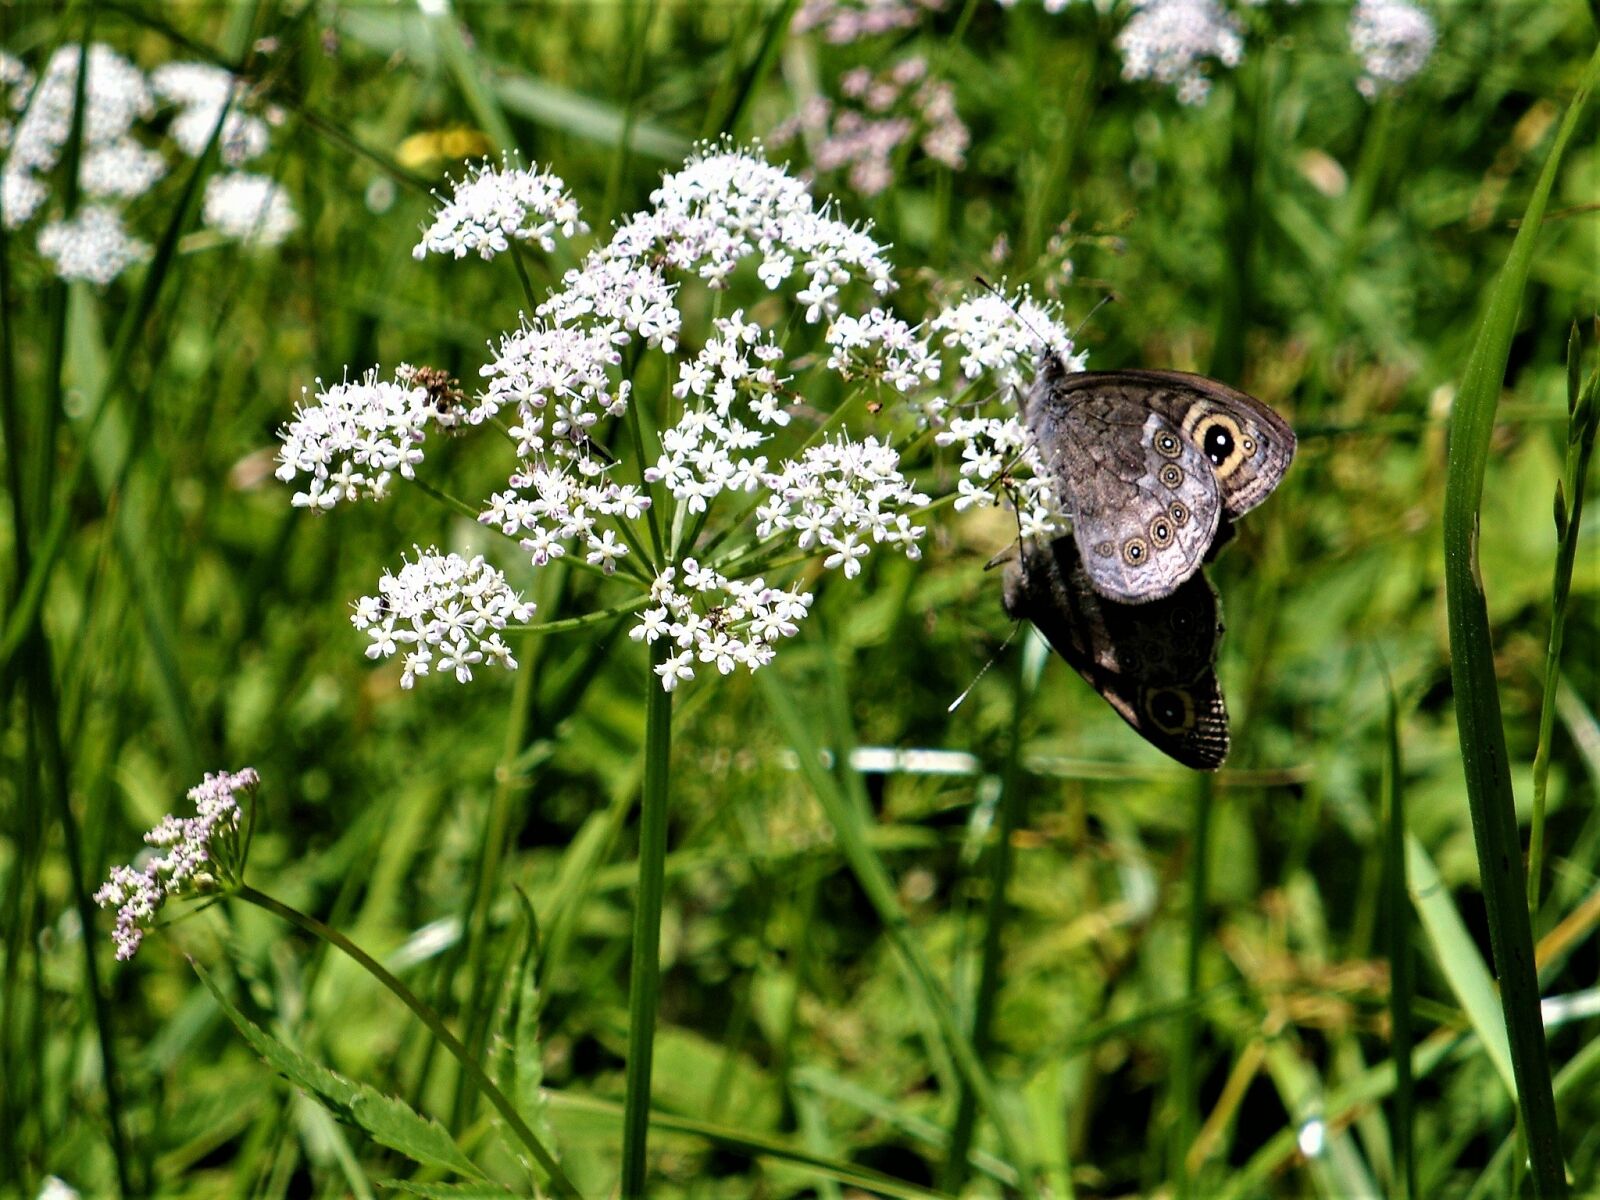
1149	465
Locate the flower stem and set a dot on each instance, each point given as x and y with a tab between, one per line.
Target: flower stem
644	991
558	1179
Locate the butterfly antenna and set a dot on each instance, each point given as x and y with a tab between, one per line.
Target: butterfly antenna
1089	316
984	670
1017	312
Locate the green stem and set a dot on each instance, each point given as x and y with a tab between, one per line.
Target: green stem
1013	808
1580	445
436	1026
644	989
1183	1076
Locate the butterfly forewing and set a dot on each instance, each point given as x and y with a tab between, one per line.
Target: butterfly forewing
1153	662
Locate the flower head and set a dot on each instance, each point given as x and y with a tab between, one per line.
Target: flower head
354	438
1394	39
92	245
201	92
494	205
1167	40
194	856
444	614
253	209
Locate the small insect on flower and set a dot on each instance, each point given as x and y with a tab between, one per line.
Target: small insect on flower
194	856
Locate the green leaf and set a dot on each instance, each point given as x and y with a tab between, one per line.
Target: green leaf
1472	672
1458	959
447	1191
389	1122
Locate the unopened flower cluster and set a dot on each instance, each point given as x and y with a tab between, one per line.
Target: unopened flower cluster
879	112
444	614
115	165
193	855
1394	40
553	381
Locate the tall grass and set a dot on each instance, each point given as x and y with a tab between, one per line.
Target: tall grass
859	987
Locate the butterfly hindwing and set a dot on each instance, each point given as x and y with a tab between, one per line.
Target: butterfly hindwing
1153	662
1143	498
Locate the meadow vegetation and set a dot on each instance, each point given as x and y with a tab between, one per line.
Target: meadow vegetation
906	947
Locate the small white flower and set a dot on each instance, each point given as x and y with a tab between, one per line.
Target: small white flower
353	440
92	245
1167	41
120	170
194	855
1394	39
675	670
495	205
450	609
253	209
201	91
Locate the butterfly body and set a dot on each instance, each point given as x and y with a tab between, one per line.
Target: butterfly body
1153	468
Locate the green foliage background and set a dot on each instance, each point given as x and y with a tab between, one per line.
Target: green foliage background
1329	255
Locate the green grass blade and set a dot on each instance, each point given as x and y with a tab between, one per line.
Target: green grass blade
1402	976
1483	745
875	882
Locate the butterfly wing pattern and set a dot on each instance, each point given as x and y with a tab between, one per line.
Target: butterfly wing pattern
1153	468
1153	662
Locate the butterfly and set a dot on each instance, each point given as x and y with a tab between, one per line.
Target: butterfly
1150	465
1153	467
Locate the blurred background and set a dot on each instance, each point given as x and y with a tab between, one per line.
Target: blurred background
1173	1014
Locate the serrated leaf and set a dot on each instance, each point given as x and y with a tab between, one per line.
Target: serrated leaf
388	1121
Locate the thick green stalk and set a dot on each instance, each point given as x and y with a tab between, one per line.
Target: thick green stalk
435	1024
1483	743
644	988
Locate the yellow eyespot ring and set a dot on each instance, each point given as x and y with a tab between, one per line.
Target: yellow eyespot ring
1167	444
1171	475
1219	439
1171	710
1135	552
1179	513
1161	532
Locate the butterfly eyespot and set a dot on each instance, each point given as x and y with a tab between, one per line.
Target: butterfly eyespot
1104	549
1248	445
1135	553
1172	475
1220	441
1167	443
1170	708
1161	532
1179	513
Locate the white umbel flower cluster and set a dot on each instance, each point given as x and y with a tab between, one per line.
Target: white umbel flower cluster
725	206
1394	40
116	166
879	345
91	246
718	621
1001	338
494	206
353	440
1169	40
201	92
444	614
195	855
844	497
252	209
